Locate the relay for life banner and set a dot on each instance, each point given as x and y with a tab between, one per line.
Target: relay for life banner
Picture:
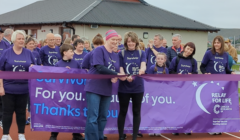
59	105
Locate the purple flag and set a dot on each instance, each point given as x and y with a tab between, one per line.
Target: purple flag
59	105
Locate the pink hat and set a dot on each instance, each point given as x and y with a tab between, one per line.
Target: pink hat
110	34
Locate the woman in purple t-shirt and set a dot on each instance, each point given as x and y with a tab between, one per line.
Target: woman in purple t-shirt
99	91
30	46
184	63
78	52
15	92
29	43
97	41
132	62
215	61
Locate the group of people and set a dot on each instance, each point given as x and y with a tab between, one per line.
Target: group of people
107	56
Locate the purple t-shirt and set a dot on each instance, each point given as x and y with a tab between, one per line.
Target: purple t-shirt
86	61
121	47
37	58
79	58
184	66
50	56
151	56
131	63
3	46
10	61
101	56
37	50
70	63
159	70
216	64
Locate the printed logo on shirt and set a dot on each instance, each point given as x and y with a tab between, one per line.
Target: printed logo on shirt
19	68
185	66
78	59
52	60
54	52
218	57
218	66
19	61
111	66
132	58
183	71
1	49
160	72
132	67
112	60
152	59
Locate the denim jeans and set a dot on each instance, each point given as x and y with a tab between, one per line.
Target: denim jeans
97	112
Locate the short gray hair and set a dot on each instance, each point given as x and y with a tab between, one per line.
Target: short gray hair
159	36
177	35
14	35
57	35
8	32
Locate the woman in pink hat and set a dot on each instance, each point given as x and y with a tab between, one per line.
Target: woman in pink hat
98	91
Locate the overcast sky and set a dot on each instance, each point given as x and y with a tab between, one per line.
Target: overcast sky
217	13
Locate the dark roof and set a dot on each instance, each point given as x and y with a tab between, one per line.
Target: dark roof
48	11
101	12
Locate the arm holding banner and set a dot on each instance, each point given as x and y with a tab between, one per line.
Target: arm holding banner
2	92
143	68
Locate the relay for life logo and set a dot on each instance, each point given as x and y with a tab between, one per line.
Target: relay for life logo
219	99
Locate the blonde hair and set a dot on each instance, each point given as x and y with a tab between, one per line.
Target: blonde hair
142	46
14	35
164	65
67	41
43	42
90	47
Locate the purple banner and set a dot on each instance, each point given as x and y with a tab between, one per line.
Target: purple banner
59	105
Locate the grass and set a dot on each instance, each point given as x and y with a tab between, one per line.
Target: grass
239	92
235	67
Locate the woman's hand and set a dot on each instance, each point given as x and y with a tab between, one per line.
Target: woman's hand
233	72
129	79
189	73
141	72
68	67
114	80
31	65
2	91
122	78
207	73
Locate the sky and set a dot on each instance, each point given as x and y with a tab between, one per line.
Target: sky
216	13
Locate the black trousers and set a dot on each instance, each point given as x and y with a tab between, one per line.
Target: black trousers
124	99
14	103
55	134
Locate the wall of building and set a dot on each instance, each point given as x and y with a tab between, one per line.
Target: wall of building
199	38
41	34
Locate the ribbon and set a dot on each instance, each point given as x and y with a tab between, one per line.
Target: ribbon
162	77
